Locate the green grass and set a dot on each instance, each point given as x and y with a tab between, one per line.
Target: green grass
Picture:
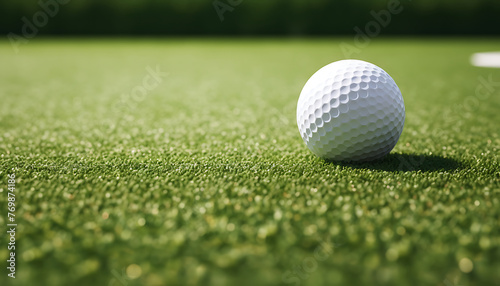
205	180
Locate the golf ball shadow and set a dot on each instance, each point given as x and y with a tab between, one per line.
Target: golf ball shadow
404	162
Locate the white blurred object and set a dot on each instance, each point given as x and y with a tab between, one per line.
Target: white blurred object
489	60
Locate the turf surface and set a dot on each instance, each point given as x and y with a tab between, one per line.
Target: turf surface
201	176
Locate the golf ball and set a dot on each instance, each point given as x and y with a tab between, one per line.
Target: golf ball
350	110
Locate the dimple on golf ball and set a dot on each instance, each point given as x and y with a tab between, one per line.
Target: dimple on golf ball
350	110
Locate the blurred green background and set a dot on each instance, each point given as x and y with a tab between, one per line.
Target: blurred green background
206	181
250	17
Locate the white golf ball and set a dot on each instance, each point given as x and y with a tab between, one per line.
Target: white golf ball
350	110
